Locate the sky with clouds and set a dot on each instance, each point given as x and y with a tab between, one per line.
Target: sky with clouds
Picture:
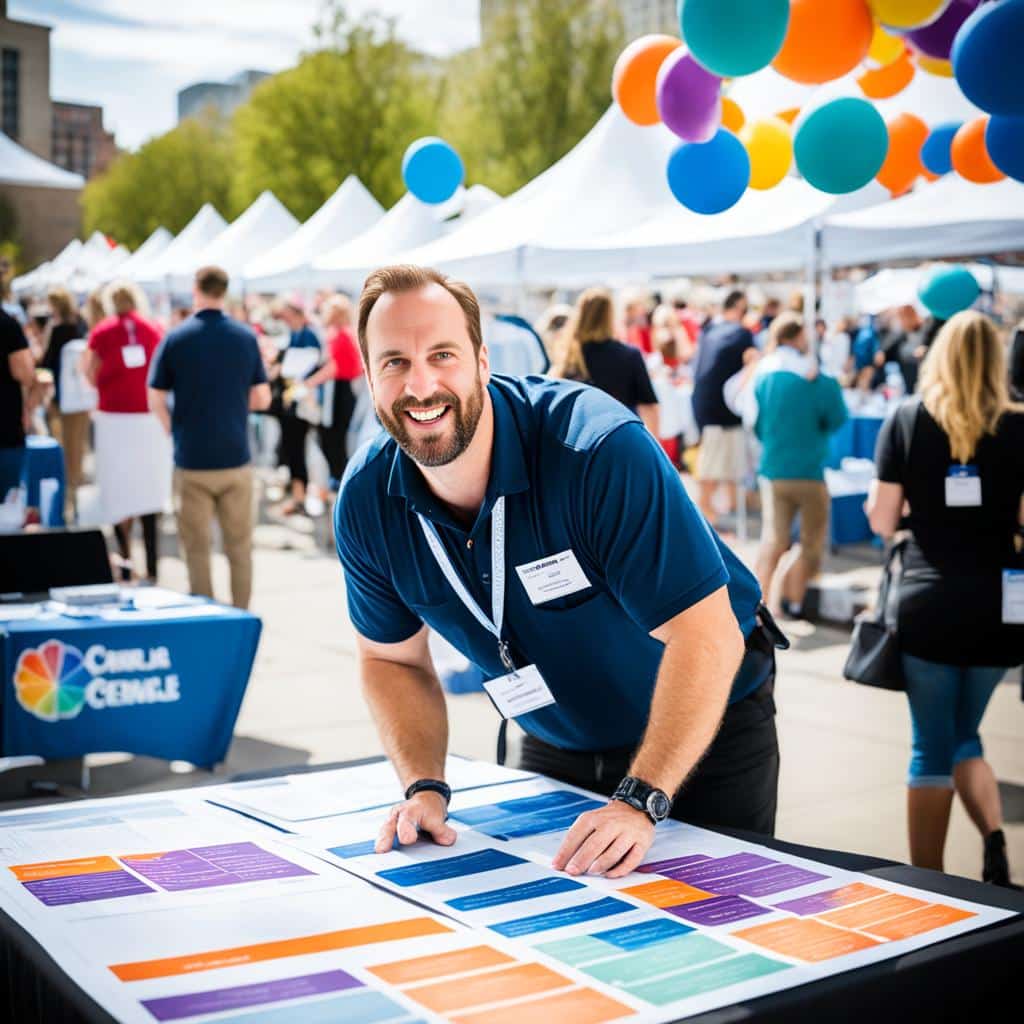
132	56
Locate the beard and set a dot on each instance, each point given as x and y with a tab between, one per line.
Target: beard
453	436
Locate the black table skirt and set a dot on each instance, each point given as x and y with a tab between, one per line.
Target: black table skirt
961	979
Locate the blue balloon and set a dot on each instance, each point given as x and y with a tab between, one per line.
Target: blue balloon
733	38
1004	140
841	146
709	177
945	291
432	170
935	153
986	57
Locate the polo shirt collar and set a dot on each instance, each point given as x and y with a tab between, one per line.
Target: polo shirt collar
508	471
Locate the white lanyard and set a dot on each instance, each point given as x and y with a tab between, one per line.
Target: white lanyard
493	624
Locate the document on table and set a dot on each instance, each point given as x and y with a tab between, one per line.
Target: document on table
290	800
706	921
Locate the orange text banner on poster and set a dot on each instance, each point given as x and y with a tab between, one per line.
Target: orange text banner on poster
667	893
493	987
865	914
64	868
322	943
582	1006
424	968
920	921
806	940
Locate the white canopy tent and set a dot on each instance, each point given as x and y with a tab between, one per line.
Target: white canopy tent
346	215
146	253
36	280
179	256
20	167
408	224
951	217
265	224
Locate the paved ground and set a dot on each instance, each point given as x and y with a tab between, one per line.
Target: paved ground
844	747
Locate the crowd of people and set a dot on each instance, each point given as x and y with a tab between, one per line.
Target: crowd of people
766	391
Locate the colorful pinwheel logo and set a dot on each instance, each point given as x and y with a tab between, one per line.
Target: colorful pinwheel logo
50	681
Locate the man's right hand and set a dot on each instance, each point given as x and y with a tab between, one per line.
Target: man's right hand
425	812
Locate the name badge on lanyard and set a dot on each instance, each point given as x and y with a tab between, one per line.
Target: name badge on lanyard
1013	597
963	487
132	354
520	690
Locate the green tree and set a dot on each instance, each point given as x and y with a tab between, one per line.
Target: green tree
538	83
164	182
350	107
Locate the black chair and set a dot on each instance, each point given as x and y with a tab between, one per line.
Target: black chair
31	563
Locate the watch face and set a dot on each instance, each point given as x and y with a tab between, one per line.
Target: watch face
658	805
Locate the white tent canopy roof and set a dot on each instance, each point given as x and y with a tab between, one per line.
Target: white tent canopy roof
179	256
265	224
951	217
35	279
20	167
346	215
148	251
409	223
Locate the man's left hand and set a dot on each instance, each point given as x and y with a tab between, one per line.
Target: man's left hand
610	841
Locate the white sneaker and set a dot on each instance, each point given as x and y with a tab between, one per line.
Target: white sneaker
315	506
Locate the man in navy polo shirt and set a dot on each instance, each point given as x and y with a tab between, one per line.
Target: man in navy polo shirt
212	366
539	528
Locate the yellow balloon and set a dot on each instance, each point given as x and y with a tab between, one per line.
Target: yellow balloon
935	66
770	148
885	48
907	14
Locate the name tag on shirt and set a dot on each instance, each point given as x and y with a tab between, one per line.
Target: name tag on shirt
1013	597
519	692
963	487
551	577
134	356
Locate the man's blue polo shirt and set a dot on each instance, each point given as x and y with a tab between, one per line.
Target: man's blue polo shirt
578	472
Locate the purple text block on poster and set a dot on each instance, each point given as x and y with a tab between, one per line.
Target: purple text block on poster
659	867
720	867
225	864
192	1004
721	910
102	885
766	881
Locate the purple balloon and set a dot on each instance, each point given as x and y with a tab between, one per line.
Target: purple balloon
936	39
689	97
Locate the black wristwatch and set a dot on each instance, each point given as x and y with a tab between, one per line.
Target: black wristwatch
430	786
635	792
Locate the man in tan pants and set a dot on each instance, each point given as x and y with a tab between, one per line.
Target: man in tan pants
212	366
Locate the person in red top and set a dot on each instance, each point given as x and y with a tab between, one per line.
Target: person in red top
342	367
133	463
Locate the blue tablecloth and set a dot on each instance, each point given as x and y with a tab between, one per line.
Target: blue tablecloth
855	438
166	683
41	457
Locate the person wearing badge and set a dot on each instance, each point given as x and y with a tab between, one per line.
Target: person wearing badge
539	527
951	471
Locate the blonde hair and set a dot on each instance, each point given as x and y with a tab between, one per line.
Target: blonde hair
964	383
593	319
784	328
62	302
122	297
95	307
337	305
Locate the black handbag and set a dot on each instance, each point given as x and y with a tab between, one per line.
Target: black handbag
874	658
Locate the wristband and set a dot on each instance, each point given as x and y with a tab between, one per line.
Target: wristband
429	786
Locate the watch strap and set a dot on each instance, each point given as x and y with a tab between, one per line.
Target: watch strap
637	793
430	786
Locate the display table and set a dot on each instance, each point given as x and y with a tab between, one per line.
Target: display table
967	977
163	682
42	458
856	439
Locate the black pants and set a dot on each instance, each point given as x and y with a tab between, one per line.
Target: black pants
123	532
291	452
734	786
332	438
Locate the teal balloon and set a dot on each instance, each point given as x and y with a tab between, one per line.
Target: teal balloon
733	37
709	177
945	291
841	146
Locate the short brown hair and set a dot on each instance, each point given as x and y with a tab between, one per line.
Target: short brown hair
212	281
62	302
406	277
785	327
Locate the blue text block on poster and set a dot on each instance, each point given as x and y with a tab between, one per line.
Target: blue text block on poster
560	918
514	893
646	933
449	867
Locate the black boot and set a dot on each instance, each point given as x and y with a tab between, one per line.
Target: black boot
996	869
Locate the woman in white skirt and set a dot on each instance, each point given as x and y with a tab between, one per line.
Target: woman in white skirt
133	454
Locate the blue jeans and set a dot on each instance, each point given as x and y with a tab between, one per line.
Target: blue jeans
947	703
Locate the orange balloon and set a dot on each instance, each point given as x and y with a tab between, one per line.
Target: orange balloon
887	81
824	40
790	115
635	74
928	176
970	155
907	134
732	117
